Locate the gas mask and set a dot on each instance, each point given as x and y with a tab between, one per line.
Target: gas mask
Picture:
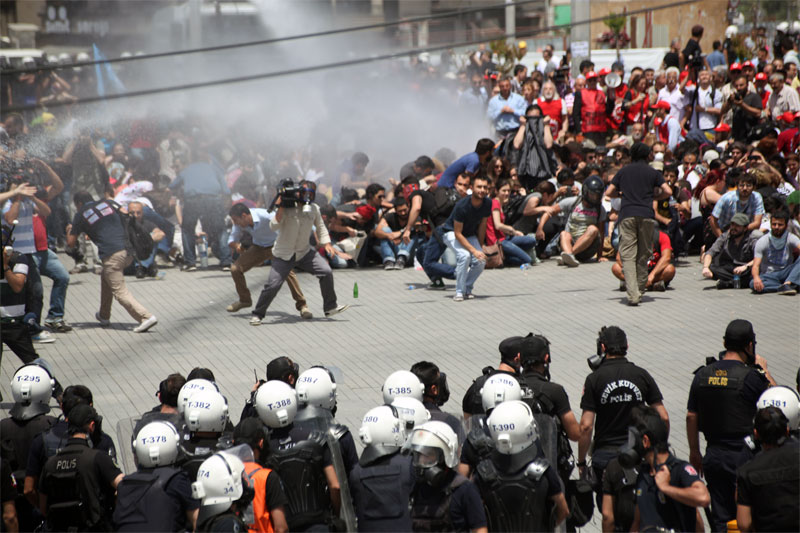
444	390
594	361
631	454
432	475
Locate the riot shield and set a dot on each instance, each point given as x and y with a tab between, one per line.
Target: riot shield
548	436
125	457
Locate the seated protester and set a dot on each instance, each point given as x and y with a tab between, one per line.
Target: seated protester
395	252
776	265
422	169
743	200
660	268
584	229
146	267
523	211
671	210
370	213
338	232
517	247
731	255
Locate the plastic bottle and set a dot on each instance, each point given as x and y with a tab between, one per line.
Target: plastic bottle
737	281
355	290
202	251
525	266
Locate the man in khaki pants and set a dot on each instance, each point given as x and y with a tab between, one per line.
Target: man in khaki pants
102	222
255	224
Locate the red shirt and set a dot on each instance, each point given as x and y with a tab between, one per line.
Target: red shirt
788	141
493	235
617	114
39	233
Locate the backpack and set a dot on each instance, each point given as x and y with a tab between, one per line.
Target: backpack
142	501
444	199
139	240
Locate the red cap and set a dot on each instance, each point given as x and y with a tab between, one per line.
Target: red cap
604	71
748	64
662	104
591	75
736	66
761	77
788	116
722	127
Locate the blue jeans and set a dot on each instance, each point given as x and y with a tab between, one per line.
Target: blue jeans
468	268
336	261
48	264
390	251
431	253
517	249
773	280
210	210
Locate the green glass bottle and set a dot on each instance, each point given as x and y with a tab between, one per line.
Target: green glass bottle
355	290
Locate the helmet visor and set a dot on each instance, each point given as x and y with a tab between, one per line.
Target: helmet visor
426	456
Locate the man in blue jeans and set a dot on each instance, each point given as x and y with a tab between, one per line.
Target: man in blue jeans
776	265
394	251
465	231
431	252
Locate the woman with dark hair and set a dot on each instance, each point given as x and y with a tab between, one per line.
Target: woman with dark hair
497	169
518	248
635	103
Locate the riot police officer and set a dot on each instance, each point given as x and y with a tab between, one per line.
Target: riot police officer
302	459
442	499
767	487
516	477
402	383
436	395
158	497
510	360
722	404
167	410
610	392
78	483
205	414
223	493
382	481
281	368
411	412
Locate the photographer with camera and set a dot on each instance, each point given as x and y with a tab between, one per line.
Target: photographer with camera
692	55
296	216
610	393
12	302
746	107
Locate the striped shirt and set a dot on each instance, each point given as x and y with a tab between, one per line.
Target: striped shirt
12	304
23	234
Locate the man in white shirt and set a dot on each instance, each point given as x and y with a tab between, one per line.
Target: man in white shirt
673	94
707	104
296	217
783	98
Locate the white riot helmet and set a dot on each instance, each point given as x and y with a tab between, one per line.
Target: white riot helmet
435	442
731	31
402	383
191	387
218	485
31	387
411	411
795	27
512	427
157	444
499	388
785	399
64	58
782	27
382	433
276	403
206	410
316	387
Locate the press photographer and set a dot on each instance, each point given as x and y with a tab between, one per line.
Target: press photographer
297	215
746	108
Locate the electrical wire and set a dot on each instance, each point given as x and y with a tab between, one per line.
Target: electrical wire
327	66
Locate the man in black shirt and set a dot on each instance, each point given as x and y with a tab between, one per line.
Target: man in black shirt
16	334
101	221
692	55
436	395
637	183
610	393
731	254
767	486
510	361
146	266
746	109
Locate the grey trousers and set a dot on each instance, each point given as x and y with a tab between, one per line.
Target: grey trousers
311	262
635	249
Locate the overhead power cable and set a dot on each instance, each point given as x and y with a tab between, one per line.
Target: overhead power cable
327	66
273	40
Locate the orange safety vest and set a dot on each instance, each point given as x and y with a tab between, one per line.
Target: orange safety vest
257	478
593	111
552	108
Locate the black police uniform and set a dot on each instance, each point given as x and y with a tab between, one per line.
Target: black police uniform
620	483
658	511
471	403
300	455
611	392
517	491
228	522
769	486
8	484
47	444
724	395
440	416
198	449
454	505
154	499
79	480
381	490
478	444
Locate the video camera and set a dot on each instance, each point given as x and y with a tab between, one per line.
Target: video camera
14	172
292	195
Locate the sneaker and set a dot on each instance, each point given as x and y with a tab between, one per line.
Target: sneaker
255	321
235	306
622	287
401	263
43	338
152	270
80	268
337	310
458	297
140	272
146	324
787	290
226	268
103	322
306	313
634	303
569	260
437	285
389	265
724	285
58	325
659	287
470	296
188	268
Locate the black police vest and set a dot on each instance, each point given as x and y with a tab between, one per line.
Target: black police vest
301	470
479	438
224	522
625	500
16	440
74	498
723	412
375	491
433	517
55	439
143	503
516	501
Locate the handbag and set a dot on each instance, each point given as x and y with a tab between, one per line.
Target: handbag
494	255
